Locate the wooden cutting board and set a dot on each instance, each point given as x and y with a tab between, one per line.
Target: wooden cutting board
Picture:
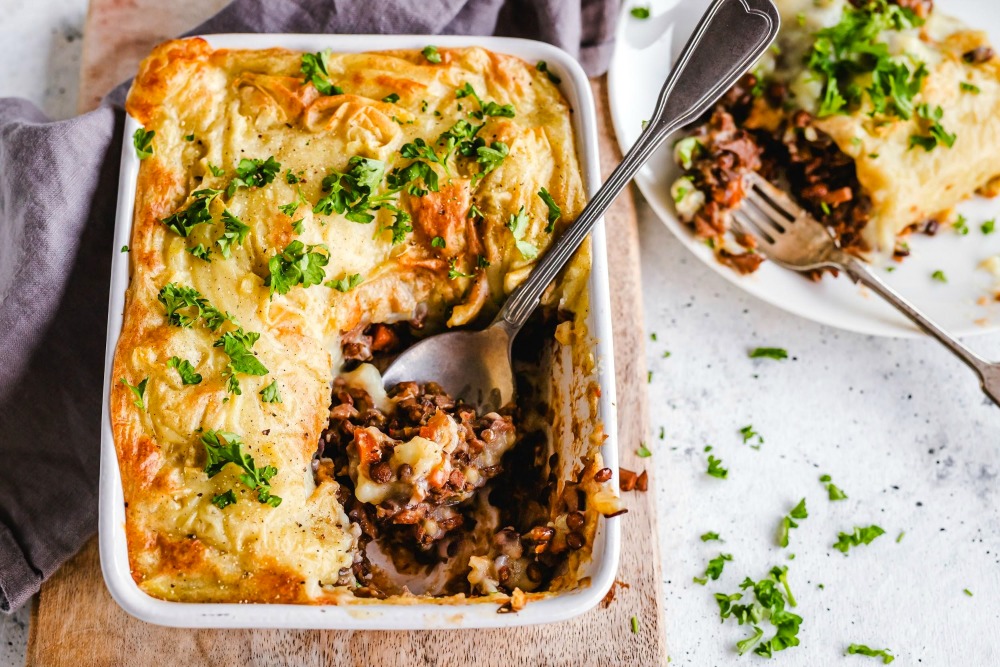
75	621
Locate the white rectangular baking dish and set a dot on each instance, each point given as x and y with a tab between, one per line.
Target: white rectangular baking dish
389	616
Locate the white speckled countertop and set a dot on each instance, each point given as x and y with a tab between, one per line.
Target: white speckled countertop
900	426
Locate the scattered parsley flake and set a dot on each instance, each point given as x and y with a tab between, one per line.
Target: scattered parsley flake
643	451
641	13
936	134
437	242
139	391
714	569
543	67
431	54
223	448
316	70
554	210
269	394
715	468
939	276
861	649
634	624
345	284
769	353
391	98
178	299
749	434
966	87
860	536
185	370
124	248
710	537
224	500
297	264
143	142
216	171
799	512
197	213
961	226
253	173
967	592
237	345
518	226
454	273
988	226
234	233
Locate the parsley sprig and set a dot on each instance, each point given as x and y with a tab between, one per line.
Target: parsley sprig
224	448
860	536
253	173
185	370
197	213
297	264
316	70
237	345
139	391
185	305
770	596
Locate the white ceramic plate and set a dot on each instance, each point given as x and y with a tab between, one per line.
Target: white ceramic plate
643	56
376	616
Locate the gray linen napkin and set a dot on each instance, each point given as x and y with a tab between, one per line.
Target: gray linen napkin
58	188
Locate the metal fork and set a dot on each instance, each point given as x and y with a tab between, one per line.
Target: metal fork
792	238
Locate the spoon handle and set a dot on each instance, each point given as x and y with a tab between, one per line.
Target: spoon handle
730	38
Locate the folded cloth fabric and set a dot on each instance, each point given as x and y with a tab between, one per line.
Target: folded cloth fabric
58	189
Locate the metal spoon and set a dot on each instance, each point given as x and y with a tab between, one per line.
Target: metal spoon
475	366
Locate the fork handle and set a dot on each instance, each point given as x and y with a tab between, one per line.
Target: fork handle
989	374
730	38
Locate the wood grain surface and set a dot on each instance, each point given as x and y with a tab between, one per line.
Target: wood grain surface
75	621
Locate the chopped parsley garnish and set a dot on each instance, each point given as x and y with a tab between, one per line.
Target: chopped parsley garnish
640	12
518	226
769	353
297	226
988	226
710	537
961	226
861	649
196	213
235	232
860	536
143	142
139	391
749	434
543	66
420	149
224	500
224	448
714	569
291	207
771	594
788	522
939	276
406	177
185	370
432	55
345	284
490	157
201	252
124	248
237	345
391	98
554	210
967	592
715	468
845	54
297	264
634	625
291	178
833	491
485	108
899	538
455	273
437	242
253	173
189	137
936	134
349	194
643	451
316	70
966	87
400	226
269	394
216	171
178	300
